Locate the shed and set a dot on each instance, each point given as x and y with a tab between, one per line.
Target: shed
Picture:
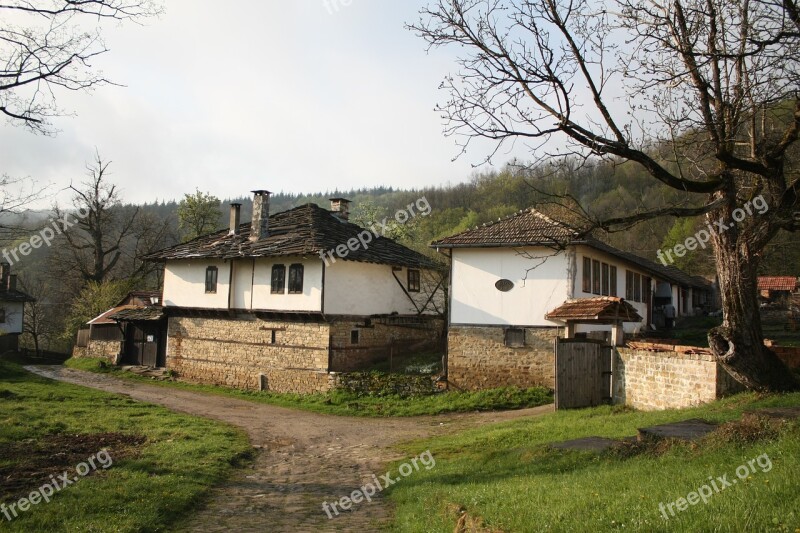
597	310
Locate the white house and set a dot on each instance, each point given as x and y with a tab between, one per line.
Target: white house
507	275
282	302
12	309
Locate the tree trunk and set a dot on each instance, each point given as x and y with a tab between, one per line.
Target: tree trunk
739	343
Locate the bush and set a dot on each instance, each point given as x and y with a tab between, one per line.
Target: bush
378	384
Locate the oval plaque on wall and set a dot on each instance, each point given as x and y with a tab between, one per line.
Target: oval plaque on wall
504	285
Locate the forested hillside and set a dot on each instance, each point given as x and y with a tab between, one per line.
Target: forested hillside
70	289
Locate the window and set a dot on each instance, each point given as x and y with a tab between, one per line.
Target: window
278	279
504	285
515	337
637	287
613	281
646	282
2	315
605	279
296	279
413	280
211	279
595	276
587	275
354	336
272	337
629	285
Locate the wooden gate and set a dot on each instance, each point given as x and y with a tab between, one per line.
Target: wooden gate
145	345
583	373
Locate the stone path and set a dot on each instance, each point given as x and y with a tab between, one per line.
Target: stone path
304	458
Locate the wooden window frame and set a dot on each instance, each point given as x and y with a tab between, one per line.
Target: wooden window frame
587	275
212	278
511	342
604	289
637	287
629	285
612	289
414	280
275	286
595	276
294	278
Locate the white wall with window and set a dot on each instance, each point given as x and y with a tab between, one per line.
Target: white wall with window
602	274
287	284
187	283
353	288
507	286
11	316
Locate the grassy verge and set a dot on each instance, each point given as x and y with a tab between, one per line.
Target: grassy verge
508	477
166	468
347	404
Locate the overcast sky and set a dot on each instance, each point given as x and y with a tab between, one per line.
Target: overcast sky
289	96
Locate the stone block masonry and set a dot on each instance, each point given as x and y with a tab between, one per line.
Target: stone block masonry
654	379
108	350
477	358
240	353
282	355
379	338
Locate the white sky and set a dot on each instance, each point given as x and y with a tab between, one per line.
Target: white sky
284	95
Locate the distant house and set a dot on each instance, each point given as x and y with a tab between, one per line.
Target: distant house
773	288
12	309
286	300
508	275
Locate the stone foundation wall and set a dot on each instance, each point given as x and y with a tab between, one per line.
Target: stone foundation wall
659	379
108	350
240	353
789	355
477	358
380	338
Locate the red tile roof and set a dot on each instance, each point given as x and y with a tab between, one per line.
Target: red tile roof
105	318
596	309
777	283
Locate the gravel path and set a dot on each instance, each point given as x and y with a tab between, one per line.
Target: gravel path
304	458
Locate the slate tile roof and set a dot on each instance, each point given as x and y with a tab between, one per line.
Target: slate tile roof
138	313
16	296
600	309
303	231
529	227
525	227
777	283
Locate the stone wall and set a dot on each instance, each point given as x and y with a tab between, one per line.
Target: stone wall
789	355
240	353
477	358
108	350
379	337
653	379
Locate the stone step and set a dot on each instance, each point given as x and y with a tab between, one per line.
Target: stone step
692	429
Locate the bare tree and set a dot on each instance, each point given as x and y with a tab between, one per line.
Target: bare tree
102	223
710	106
45	46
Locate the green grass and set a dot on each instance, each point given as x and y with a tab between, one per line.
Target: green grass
182	457
346	404
693	331
508	476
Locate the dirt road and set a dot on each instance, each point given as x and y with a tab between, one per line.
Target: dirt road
304	458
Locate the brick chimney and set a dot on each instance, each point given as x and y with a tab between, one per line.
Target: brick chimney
340	207
260	222
236	214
